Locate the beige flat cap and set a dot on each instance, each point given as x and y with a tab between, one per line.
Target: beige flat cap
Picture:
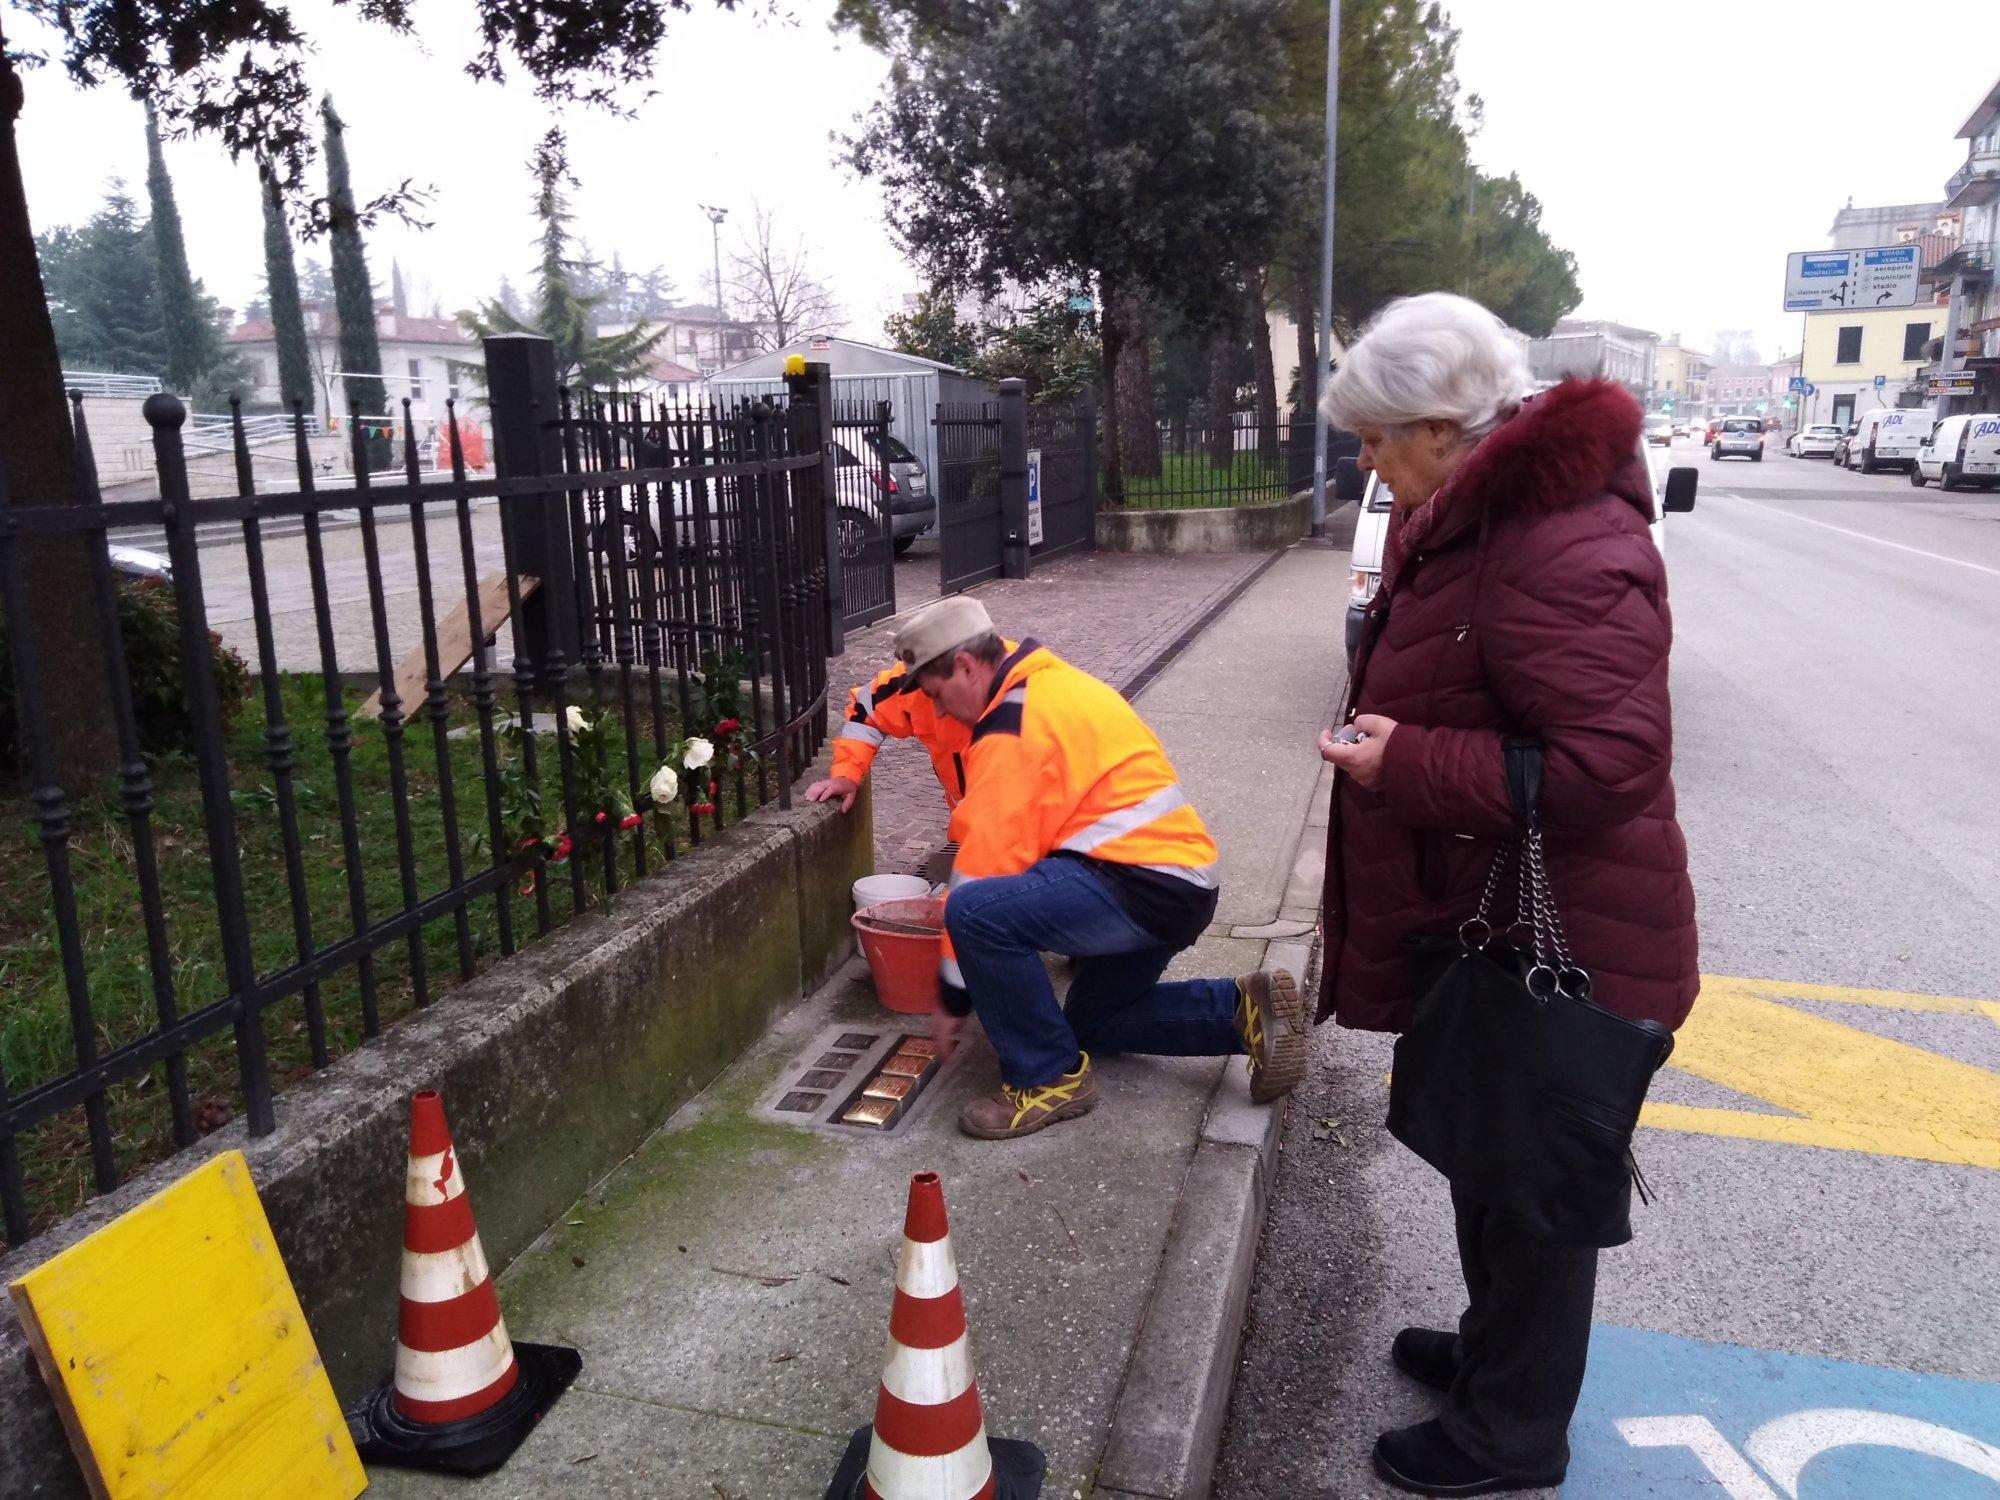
937	628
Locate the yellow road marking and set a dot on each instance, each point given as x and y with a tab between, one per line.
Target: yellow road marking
1843	1088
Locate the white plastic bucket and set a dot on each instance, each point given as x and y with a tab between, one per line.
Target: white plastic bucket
870	890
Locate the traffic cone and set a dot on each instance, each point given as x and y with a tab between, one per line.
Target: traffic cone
464	1395
928	1440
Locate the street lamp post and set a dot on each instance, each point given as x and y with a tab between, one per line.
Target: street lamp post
1326	272
715	217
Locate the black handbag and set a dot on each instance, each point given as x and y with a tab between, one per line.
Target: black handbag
1510	1080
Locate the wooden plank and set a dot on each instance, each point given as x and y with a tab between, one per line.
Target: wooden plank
454	640
178	1355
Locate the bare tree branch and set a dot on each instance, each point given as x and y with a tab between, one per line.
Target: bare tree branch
774	283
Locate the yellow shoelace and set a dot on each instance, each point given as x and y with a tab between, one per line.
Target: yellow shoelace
1249	1021
1046	1096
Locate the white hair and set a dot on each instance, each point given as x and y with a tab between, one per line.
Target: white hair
1437	357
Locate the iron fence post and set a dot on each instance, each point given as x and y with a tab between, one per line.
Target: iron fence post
165	414
1014	478
521	393
1086	418
813	392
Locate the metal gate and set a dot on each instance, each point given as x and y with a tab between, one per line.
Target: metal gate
968	494
862	487
1065	438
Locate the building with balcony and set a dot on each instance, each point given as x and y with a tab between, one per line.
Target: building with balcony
1973	191
1680	379
1615	351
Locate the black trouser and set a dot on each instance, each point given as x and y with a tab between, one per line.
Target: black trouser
1521	1343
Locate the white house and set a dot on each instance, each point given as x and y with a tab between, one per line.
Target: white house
422	358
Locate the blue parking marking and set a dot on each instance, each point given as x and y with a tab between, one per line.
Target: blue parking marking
1662	1415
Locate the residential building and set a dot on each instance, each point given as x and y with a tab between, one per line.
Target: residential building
1616	351
1974	192
1846	354
1740	391
1681	379
1781	398
1889	224
703	339
424	359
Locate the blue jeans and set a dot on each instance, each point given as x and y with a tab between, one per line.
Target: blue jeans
1001	926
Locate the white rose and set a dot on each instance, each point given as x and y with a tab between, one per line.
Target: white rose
699	753
578	719
665	786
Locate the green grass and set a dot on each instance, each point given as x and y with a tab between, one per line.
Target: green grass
1188	481
36	1041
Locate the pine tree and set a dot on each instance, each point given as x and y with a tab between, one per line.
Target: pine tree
564	315
288	321
103	290
353	292
198	364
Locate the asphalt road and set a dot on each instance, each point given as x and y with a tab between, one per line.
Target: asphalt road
1812	1307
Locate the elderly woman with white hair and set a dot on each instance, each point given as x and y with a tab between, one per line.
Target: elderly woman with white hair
1521	596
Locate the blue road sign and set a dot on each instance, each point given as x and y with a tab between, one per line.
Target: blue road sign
1662	1415
1880	381
1811	389
1796	383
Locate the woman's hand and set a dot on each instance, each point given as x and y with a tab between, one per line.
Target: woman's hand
1363	761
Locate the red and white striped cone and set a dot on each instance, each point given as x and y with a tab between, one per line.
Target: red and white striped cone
928	1440
464	1395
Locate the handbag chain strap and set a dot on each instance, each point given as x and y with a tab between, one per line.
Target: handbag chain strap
1536	916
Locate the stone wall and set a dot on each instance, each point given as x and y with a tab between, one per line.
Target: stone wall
554	1065
1241	528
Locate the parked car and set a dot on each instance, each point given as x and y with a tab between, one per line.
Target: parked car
1885	438
135	564
891	470
1815	441
1708	430
1659	431
1680	429
1673	491
1738	437
1962	450
1840	445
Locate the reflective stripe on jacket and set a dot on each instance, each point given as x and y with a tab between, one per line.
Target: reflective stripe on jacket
893	707
1060	763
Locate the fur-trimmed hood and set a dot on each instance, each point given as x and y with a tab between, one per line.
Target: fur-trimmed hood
1565	445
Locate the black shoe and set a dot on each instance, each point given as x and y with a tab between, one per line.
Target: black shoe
1427	1356
1422	1460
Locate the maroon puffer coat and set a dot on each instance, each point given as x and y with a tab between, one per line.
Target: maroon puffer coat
1562	633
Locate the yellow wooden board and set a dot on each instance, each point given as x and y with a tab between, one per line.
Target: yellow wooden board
454	643
179	1357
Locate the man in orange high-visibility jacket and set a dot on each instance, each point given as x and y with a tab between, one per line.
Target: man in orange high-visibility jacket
1075	837
892	707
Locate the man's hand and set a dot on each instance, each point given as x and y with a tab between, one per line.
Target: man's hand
944	1031
832	787
1363	761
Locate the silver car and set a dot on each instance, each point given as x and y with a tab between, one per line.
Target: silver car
1738	437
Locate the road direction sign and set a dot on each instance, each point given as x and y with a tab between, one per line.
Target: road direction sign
1811	389
1835	280
1957	383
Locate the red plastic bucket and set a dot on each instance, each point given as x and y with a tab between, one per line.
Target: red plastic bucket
904	963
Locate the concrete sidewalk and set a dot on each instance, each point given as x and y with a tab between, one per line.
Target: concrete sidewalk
729	1285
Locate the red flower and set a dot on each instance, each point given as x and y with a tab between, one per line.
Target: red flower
702	807
728	726
711	789
631	821
599	818
563	847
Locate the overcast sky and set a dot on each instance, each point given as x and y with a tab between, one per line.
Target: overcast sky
1679	150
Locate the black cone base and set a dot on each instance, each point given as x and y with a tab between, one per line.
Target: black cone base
1018	1468
474	1445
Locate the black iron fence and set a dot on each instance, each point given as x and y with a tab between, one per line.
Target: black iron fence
1243	461
366	740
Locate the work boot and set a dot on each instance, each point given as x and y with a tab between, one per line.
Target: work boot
1424	1461
1271	1019
1428	1356
1016	1112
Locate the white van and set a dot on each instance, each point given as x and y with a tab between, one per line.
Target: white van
1963	450
1673	490
1888	438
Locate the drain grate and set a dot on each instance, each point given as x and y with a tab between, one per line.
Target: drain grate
850	1079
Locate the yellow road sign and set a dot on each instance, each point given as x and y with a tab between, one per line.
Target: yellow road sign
1841	1087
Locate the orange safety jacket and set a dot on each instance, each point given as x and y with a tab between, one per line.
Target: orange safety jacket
1061	764
894	707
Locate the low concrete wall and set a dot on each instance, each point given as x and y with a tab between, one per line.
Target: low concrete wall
1242	528
554	1066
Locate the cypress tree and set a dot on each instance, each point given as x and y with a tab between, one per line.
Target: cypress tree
288	321
197	364
353	292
